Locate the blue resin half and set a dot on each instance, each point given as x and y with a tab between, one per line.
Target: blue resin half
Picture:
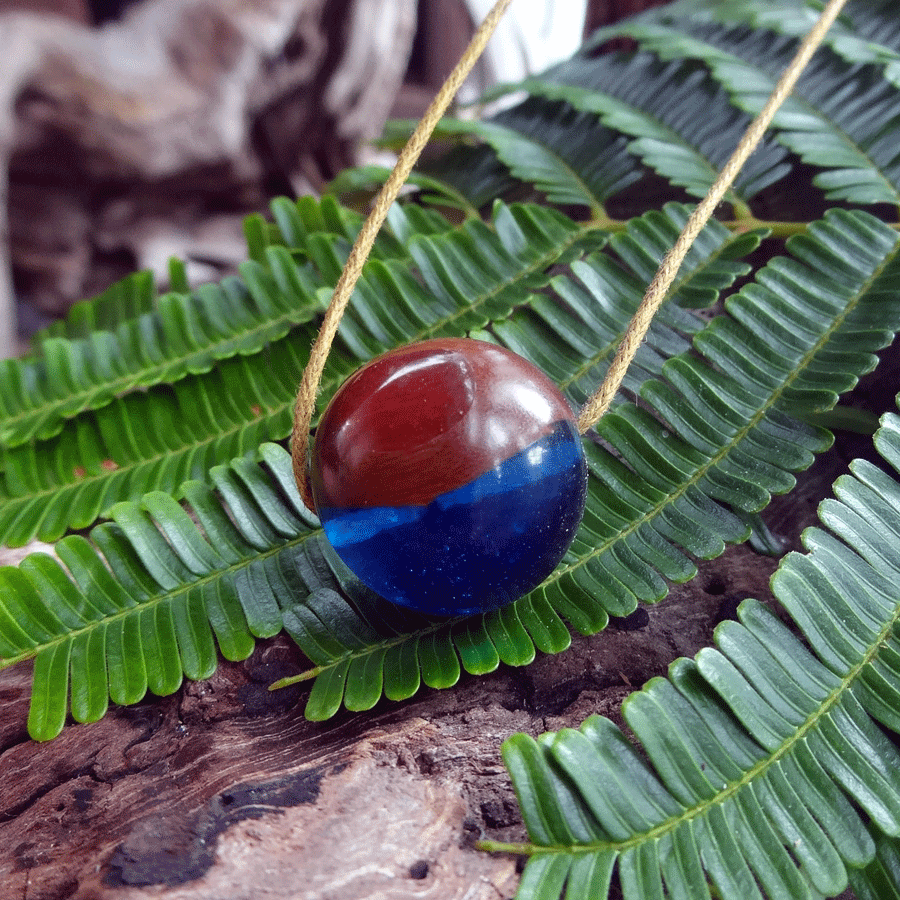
475	548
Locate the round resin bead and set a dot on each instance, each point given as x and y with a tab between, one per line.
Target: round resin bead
449	475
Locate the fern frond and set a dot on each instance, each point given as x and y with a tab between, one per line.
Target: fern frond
362	646
761	752
159	438
146	441
127	299
667	489
714	262
186	335
681	122
574	341
566	155
146	600
866	32
83	366
841	116
474	173
181	335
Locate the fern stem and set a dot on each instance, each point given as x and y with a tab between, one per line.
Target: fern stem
306	675
776	229
599	402
502	847
741	210
305	403
603	222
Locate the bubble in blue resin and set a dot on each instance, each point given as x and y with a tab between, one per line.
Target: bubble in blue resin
449	476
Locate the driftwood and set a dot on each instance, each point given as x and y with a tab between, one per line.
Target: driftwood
123	142
153	136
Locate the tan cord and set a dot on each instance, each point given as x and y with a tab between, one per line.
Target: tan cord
599	403
305	404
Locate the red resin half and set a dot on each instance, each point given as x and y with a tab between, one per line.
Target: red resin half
426	419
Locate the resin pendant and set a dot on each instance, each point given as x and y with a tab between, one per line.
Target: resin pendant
449	475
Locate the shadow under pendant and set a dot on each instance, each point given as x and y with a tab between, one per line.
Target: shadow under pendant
449	475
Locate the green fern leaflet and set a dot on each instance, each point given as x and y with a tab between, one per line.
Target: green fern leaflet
763	765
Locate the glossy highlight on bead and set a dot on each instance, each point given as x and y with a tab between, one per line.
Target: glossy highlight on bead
449	475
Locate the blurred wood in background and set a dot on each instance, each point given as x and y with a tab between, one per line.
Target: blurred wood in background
136	130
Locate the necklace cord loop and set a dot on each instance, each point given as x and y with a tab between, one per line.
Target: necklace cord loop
597	405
